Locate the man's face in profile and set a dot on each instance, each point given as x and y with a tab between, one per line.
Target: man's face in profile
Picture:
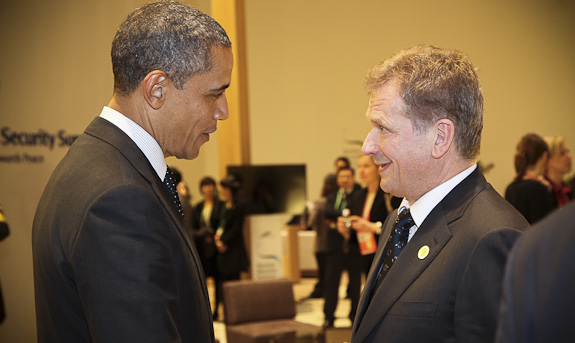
192	113
399	150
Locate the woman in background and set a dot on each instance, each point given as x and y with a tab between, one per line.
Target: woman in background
368	208
558	166
205	221
232	258
528	193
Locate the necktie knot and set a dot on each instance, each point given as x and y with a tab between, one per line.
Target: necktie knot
170	183
404	221
400	235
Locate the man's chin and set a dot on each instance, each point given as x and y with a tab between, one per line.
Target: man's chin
386	187
188	154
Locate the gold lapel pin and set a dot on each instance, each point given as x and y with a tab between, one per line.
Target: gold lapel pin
423	252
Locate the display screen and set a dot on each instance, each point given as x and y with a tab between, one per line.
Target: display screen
272	188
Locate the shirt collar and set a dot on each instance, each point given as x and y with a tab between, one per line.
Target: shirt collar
141	137
424	205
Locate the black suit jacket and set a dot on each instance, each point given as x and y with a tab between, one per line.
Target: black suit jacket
113	261
235	259
539	285
334	240
452	293
378	211
202	231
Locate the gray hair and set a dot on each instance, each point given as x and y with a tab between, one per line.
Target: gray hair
166	35
436	84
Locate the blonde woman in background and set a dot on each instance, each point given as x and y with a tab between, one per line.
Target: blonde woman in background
558	166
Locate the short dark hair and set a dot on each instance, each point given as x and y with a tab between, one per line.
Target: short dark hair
342	159
529	150
329	185
436	84
166	35
207	181
233	183
344	169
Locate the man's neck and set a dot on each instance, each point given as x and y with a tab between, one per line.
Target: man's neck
129	107
441	175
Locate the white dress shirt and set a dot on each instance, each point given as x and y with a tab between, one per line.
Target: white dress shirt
424	205
141	137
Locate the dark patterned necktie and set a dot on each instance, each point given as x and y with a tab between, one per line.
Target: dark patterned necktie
171	184
395	244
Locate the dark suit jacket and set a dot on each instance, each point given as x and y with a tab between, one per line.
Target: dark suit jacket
113	261
203	232
334	240
378	211
539	285
235	259
531	198
452	294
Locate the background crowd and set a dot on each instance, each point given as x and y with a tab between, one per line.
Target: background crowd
543	183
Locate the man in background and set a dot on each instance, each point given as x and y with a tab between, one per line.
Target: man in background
342	252
113	260
437	274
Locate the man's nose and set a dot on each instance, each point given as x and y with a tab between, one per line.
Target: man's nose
369	147
222	111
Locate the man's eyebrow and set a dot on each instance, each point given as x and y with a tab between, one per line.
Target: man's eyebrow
220	88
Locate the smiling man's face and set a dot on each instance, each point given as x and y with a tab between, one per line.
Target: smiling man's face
400	151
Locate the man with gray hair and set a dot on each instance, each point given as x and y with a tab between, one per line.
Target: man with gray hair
113	261
437	274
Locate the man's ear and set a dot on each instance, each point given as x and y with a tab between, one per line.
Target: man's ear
154	88
444	132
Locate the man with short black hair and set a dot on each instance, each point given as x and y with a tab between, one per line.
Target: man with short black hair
113	260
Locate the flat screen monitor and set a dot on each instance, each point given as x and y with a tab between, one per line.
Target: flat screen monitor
272	188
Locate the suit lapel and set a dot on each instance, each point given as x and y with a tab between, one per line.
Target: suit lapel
108	132
433	233
372	275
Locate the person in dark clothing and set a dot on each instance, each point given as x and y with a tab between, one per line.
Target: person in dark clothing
539	283
4	232
528	193
368	208
318	223
342	250
205	221
232	258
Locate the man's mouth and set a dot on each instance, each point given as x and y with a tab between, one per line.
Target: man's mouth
383	166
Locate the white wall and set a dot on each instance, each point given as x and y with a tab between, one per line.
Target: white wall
307	61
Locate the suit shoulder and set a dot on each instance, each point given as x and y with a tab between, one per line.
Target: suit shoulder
489	208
